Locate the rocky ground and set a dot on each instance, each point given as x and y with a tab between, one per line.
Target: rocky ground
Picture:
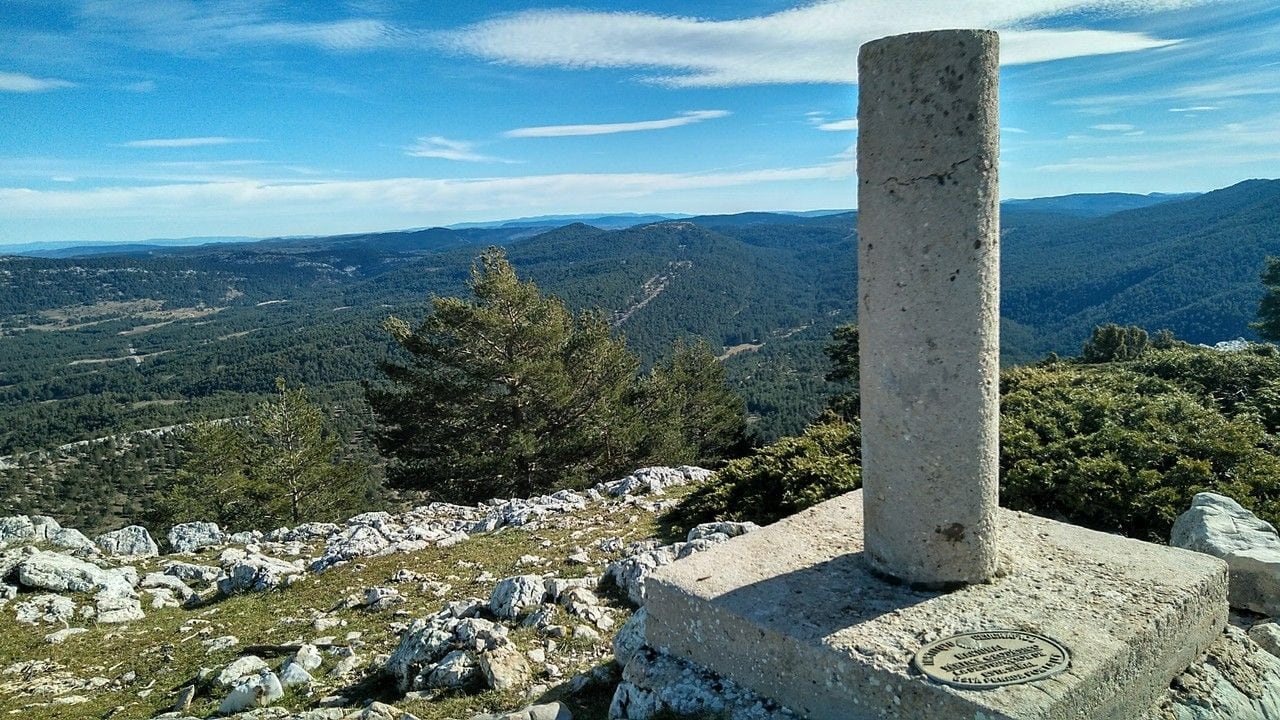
523	609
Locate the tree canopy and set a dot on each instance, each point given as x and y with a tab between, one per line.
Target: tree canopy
510	393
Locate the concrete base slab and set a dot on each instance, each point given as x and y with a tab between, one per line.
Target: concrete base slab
792	612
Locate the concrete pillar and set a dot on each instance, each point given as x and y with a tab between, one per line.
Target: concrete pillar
928	306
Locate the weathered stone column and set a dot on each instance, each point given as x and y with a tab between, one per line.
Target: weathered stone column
928	306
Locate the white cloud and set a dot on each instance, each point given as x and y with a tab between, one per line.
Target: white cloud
185	142
1015	130
199	27
18	82
446	149
142	86
839	125
1113	127
810	44
395	194
1195	109
685	118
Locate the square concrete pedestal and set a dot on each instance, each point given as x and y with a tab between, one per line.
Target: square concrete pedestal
792	612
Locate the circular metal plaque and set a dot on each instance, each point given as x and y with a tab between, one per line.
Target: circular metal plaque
992	658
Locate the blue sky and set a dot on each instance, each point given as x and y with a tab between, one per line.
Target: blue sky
128	120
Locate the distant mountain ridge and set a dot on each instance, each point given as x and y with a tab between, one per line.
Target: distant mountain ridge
117	342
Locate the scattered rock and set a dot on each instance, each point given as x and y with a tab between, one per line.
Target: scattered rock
629	573
1234	680
345	666
382	598
1267	635
189	572
60	636
256	572
295	674
240	668
728	529
50	609
185	696
16	528
549	711
59	573
71	539
188	537
653	683
308	657
255	691
132	541
630	637
116	608
458	669
513	595
1219	526
653	480
221	644
505	668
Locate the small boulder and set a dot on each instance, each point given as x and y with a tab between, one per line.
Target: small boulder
630	637
458	669
1267	635
1219	526
255	691
51	609
71	539
60	636
115	608
189	572
294	674
188	537
240	668
16	528
513	595
59	573
505	668
308	657
132	541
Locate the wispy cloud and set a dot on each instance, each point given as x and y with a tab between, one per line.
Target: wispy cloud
1113	127
200	27
839	125
18	82
685	118
446	149
1014	130
1195	109
394	194
808	44
185	142
142	86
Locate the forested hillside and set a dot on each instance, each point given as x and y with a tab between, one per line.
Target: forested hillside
98	346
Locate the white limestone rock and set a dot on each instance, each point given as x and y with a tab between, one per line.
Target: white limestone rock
15	529
728	529
50	609
132	541
1235	680
44	527
59	573
653	683
547	711
653	480
60	636
429	640
505	668
1267	635
115	608
293	674
10	559
514	595
259	573
458	669
629	573
189	537
256	691
190	572
630	637
71	539
168	582
307	657
1219	526
239	669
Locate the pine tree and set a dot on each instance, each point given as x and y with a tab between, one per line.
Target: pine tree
508	393
693	416
279	466
1268	324
843	354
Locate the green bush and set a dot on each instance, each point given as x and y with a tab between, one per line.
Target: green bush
1115	450
780	479
1120	447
